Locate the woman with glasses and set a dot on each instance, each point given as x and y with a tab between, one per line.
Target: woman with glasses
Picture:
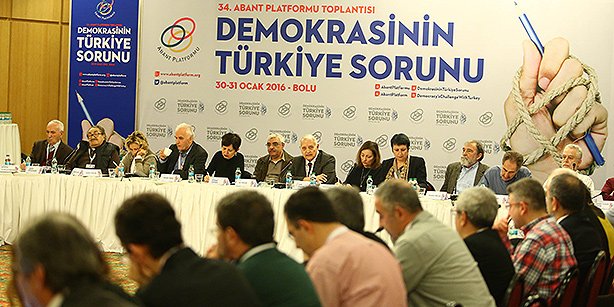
96	152
139	157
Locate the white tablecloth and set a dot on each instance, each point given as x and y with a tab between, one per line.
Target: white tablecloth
10	143
95	200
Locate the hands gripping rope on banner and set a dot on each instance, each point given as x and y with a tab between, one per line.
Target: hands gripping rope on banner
560	106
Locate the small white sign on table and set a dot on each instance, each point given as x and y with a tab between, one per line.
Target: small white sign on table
250	183
35	169
436	195
9	168
299	184
86	172
170	178
219	181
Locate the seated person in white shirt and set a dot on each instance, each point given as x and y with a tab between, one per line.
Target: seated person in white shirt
468	171
572	156
139	157
44	151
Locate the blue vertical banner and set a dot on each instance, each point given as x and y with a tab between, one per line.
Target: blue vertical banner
103	68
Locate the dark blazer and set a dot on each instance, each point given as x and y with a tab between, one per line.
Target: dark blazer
101	294
585	240
189	280
39	152
358	176
107	156
453	171
324	164
417	169
262	167
197	157
493	260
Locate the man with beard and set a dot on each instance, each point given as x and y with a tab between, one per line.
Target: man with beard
468	171
497	178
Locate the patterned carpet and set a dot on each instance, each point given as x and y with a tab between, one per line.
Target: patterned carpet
118	273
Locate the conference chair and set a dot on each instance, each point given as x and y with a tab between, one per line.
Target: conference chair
607	286
535	301
514	293
566	291
591	286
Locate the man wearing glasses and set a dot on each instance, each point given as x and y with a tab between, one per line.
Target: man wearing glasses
275	165
96	152
498	178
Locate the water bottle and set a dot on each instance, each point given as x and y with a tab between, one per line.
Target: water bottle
152	171
191	173
120	170
312	179
237	174
54	166
7	160
28	161
370	185
288	180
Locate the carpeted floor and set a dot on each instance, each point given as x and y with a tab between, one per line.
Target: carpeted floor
118	273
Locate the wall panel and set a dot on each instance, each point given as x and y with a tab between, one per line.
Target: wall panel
63	76
4	64
47	10
5	8
65	11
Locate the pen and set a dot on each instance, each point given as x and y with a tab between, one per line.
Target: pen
588	138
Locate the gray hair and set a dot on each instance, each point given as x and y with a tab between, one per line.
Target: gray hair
480	204
188	128
308	137
577	148
278	136
63	247
57	122
400	193
348	206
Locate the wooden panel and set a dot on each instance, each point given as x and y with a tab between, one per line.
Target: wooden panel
49	10
5	8
5	27
65	11
34	70
63	94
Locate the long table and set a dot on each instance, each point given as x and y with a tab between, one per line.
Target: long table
95	200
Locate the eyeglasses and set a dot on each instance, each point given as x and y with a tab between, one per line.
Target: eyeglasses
274	144
510	204
91	134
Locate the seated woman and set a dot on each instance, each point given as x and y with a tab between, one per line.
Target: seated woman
139	157
226	161
403	166
368	163
96	152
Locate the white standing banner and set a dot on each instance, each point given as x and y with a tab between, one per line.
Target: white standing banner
354	71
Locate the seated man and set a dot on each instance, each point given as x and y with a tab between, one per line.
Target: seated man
184	152
346	268
497	178
565	200
468	171
402	165
349	208
168	272
44	151
572	157
313	160
546	252
275	165
226	161
70	272
437	267
476	210
96	152
245	223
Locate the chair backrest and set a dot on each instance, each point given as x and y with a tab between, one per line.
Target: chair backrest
566	291
609	279
514	293
592	284
535	301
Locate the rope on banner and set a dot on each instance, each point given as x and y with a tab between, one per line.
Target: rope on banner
525	112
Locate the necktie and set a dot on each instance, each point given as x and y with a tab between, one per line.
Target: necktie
51	151
309	164
181	159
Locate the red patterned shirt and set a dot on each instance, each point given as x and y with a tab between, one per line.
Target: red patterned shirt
544	255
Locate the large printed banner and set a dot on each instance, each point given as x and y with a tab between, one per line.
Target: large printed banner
103	67
347	72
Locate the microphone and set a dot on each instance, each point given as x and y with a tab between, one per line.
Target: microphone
72	153
286	167
379	229
573	166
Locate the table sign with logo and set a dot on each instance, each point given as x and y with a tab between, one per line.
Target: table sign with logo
219	181
9	168
35	169
170	178
246	183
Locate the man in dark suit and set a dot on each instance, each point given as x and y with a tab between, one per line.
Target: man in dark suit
44	151
70	272
468	171
168	272
313	160
96	152
184	152
476	210
245	223
566	202
275	165
402	165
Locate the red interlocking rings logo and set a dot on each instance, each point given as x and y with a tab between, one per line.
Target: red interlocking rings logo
178	36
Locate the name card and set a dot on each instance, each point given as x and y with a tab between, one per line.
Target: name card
436	195
9	168
250	183
170	178
299	184
219	180
83	172
502	199
35	169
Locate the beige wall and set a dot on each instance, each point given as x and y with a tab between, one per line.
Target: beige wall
34	64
